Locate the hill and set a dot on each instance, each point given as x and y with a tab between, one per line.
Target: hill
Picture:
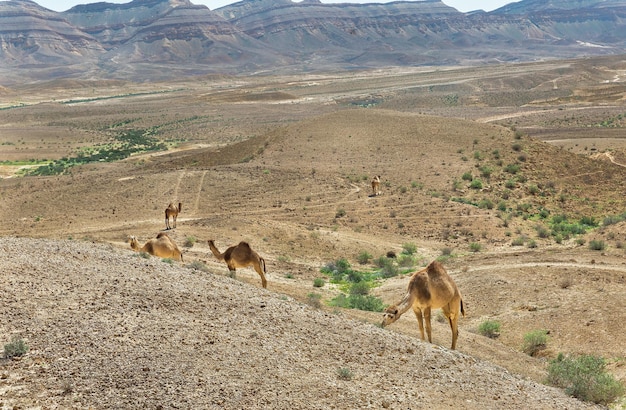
284	162
107	329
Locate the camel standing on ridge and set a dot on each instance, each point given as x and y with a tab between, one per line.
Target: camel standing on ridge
430	288
172	210
241	256
162	246
376	185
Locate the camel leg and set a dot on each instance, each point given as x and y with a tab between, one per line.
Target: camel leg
418	315
427	320
231	269
453	318
257	268
454	326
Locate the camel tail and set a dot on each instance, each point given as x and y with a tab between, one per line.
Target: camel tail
462	309
263	263
180	207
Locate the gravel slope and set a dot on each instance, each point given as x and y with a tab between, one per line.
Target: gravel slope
109	329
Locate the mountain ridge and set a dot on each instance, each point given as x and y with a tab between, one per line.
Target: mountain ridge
158	39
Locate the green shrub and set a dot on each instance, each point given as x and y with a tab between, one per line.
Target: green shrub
475	247
359	288
535	341
388	268
476	184
361	302
17	347
363	257
597	245
409	248
189	242
585	378
489	328
343	373
406	261
519	241
318	282
467	176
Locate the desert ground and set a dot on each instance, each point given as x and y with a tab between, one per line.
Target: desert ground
285	163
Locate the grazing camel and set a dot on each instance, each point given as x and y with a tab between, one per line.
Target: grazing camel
172	210
162	246
430	288
376	185
241	256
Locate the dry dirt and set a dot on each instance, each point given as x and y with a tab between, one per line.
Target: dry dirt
285	164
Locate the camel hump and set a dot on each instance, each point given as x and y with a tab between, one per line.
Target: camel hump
435	267
161	235
244	244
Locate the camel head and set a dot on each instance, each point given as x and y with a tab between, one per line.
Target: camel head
391	315
132	240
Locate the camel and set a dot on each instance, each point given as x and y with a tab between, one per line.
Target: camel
172	210
376	185
430	288
162	246
241	256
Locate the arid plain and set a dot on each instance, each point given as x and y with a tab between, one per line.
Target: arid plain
285	163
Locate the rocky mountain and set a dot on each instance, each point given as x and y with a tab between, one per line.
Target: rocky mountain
160	39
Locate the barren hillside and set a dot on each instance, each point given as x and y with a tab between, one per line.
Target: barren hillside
285	163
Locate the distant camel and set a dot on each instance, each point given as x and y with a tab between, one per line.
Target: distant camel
162	246
430	288
172	210
241	256
376	185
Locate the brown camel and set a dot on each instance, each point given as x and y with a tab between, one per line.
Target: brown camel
162	246
376	185
430	288
172	210
241	256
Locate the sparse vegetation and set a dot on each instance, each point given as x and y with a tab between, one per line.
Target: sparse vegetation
15	348
584	377
535	341
489	328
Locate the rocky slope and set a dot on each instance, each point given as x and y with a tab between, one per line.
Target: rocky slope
160	39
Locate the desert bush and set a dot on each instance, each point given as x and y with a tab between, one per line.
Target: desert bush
485	204
388	267
519	241
17	347
475	247
597	245
363	257
359	288
467	176
343	373
476	184
361	302
489	328
535	341
406	261
197	265
516	147
318	282
314	299
585	378
189	242
340	213
512	168
446	251
531	244
409	248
